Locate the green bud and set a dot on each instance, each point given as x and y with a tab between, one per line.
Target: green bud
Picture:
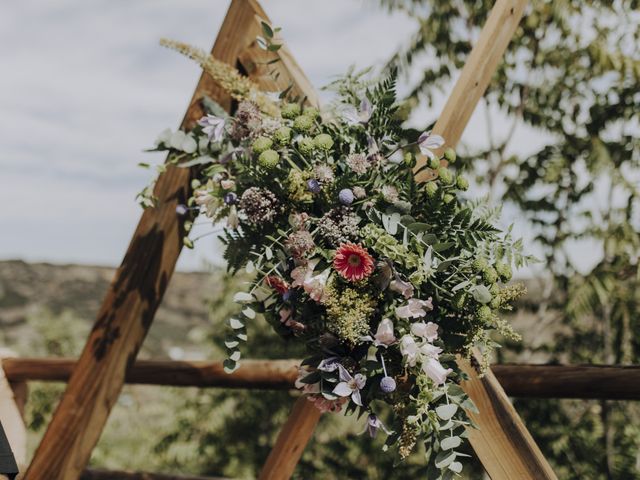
490	275
311	112
187	242
269	159
495	303
494	289
323	142
448	198
303	123
479	264
261	144
306	146
462	183
431	189
187	225
434	163
459	300
504	271
290	111
445	175
484	314
195	183
409	159
282	136
450	155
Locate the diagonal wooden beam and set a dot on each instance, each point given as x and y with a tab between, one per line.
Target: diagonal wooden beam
516	454
140	282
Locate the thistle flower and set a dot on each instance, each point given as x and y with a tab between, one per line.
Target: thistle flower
290	110
213	127
359	192
324	173
358	163
303	123
323	141
247	121
261	144
428	142
389	193
230	198
353	262
346	196
314	186
269	159
259	205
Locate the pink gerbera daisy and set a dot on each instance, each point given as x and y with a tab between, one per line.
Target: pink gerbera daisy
353	262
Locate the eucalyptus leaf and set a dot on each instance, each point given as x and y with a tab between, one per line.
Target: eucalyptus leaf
449	443
445	412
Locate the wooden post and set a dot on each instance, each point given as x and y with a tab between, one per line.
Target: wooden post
140	282
12	399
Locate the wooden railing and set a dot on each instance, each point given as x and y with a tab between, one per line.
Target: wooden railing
518	380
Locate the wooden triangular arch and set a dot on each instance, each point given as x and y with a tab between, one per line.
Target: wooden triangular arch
502	443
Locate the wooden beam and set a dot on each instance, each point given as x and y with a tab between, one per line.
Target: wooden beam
502	443
586	382
100	474
138	286
291	441
476	75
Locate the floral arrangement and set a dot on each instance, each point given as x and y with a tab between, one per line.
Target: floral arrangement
385	280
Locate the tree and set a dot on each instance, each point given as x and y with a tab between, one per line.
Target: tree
572	74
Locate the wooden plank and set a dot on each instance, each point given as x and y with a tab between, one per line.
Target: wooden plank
136	291
502	442
100	474
476	75
587	382
291	441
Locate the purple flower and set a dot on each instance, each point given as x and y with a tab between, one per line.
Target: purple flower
182	209
350	386
213	127
374	424
346	196
428	142
329	364
387	384
230	198
313	185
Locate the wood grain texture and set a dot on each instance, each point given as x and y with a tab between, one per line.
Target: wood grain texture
610	382
502	442
291	441
474	79
135	293
100	474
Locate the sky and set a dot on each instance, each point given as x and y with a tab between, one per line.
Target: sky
85	88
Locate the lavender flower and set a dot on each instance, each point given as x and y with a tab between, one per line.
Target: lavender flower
428	142
230	198
350	386
313	185
346	196
374	424
387	384
212	126
182	209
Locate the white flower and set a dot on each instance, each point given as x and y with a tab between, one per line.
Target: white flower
384	335
353	116
350	385
213	127
409	349
402	287
430	351
232	219
428	142
415	308
227	184
314	285
183	142
435	371
428	331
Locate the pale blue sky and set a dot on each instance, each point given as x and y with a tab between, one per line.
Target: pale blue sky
85	88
